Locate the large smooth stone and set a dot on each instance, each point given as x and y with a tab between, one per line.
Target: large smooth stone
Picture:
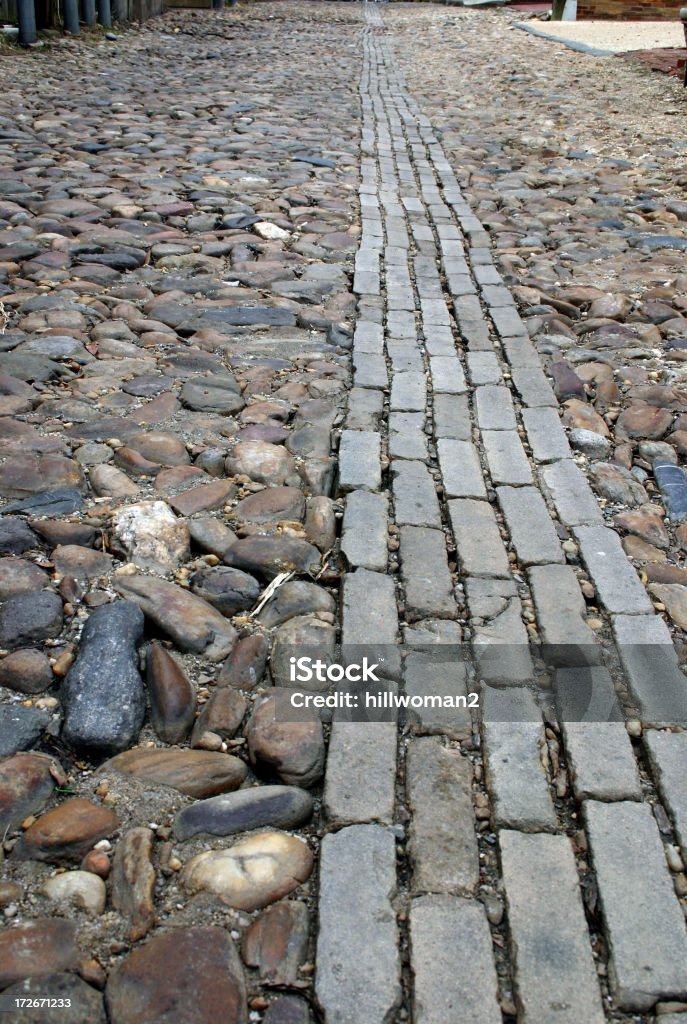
26	784
192	624
296	598
269	556
27	671
151	536
253	873
196	773
219	394
245	666
271	505
23	475
37	948
81	887
64	834
20	576
103	695
261	461
293	752
228	590
81	1001
161	447
245	810
20	727
185	975
27	618
304	636
172	696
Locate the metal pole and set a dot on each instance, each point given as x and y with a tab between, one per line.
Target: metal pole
88	12
26	16
71	16
104	13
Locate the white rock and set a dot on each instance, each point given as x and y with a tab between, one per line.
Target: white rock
86	889
270	231
151	536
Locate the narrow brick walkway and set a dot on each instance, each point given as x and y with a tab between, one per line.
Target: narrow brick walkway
530	879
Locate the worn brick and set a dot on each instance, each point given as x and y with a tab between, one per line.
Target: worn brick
359	460
478	539
461	471
617	584
555	975
454	978
365	530
494	408
514	742
408	391
530	526
426	577
442	842
506	457
546	435
570	493
357	886
415	498
644	921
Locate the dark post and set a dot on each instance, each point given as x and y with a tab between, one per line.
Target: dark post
88	12
26	16
71	16
104	13
217	5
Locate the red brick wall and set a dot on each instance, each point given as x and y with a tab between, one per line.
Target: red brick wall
630	10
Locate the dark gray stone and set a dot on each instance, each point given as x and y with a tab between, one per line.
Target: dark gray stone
26	618
16	537
672	483
103	695
49	503
244	810
20	727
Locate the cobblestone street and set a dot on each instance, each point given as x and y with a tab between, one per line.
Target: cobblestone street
342	330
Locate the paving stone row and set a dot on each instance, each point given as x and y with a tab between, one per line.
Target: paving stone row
478	458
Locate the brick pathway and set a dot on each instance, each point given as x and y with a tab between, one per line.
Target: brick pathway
513	891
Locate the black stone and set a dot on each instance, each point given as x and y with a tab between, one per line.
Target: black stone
238	316
103	695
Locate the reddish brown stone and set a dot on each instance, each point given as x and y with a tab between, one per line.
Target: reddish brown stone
222	715
133	881
271	505
643	422
64	834
203	498
37	948
277	943
27	671
196	773
245	666
293	752
187	974
26	783
23	475
172	696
